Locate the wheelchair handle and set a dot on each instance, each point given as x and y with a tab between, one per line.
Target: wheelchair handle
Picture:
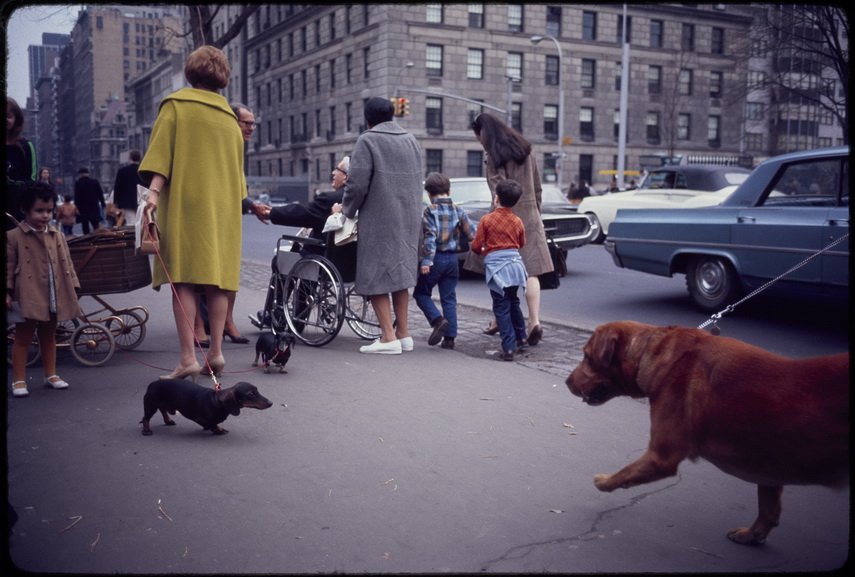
303	240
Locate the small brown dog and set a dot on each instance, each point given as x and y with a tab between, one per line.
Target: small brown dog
763	418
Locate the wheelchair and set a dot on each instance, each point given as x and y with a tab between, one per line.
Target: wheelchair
308	298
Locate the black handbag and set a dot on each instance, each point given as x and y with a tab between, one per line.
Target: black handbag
552	280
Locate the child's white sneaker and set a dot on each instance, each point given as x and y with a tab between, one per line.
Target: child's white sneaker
19	389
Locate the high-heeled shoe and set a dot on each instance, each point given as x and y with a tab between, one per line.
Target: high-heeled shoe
240	339
191	371
216	364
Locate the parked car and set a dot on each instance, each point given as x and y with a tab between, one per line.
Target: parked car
789	208
560	221
666	187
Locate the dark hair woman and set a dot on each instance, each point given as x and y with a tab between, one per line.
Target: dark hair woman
509	158
21	165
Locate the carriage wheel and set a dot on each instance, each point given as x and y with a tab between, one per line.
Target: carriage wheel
92	344
34	353
314	301
128	329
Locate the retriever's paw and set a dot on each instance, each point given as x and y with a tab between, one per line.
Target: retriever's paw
602	482
745	536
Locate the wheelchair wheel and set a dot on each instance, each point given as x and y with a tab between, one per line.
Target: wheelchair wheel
128	329
314	301
34	353
92	344
360	315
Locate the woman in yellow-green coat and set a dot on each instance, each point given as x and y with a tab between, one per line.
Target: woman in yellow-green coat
194	163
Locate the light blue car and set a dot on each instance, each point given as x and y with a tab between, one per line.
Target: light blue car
791	207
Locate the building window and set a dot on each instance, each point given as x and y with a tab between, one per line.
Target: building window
303	41
474	163
652	123
717	41
754	111
687	38
476	15
348	117
291	87
716	80
99	22
318	123
433	115
550	122
685	82
589	74
657	33
586	123
586	168
654	79
684	123
304	81
433	160
515	17
433	13
433	60
514	67
347	20
290	45
553	21
553	77
348	68
754	141
332	121
472	111
589	25
332	74
331	21
516	116
317	33
317	78
714	131
365	53
475	63
620	38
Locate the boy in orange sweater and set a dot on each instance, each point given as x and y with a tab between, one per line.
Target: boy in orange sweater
499	237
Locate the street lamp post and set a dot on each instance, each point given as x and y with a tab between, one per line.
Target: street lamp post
559	163
408	64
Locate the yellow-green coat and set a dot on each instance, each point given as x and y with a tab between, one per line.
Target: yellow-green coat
196	144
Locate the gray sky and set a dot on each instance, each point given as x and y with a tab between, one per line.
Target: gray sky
25	27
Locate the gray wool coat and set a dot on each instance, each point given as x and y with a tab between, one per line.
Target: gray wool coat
384	184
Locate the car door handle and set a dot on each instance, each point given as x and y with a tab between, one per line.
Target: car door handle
837	222
745	219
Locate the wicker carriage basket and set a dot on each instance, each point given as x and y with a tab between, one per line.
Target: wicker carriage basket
106	262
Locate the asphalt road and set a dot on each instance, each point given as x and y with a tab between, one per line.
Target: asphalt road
432	461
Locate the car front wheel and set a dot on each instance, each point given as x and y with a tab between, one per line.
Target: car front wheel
712	282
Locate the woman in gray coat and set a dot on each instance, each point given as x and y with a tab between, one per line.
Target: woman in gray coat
385	186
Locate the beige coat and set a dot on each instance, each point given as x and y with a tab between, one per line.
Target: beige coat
27	254
535	253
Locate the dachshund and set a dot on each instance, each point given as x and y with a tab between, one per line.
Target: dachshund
203	405
273	348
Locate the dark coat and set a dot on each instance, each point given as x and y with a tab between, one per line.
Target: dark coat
125	187
89	198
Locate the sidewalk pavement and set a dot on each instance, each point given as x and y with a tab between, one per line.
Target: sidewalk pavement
430	461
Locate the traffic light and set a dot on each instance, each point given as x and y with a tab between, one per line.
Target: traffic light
396	105
405	106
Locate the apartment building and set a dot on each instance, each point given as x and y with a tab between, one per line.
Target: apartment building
309	69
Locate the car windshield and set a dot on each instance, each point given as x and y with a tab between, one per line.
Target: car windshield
468	192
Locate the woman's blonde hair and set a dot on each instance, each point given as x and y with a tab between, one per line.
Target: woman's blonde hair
207	68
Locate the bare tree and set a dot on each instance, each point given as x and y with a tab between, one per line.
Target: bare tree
807	46
201	24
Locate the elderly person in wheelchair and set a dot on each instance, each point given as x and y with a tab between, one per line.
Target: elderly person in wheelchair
312	216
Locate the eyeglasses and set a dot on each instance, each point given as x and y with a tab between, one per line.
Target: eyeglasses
248	123
344	172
